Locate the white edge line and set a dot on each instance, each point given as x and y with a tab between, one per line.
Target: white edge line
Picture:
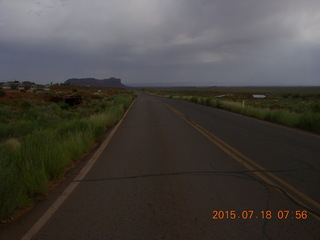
67	192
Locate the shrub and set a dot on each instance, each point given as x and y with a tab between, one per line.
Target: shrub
315	107
12	188
218	103
282	117
194	99
5	113
2	93
208	101
124	100
310	121
97	97
26	104
64	106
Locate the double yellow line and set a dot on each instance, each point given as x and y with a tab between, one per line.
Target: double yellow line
254	167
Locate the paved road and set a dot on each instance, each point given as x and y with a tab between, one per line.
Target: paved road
171	164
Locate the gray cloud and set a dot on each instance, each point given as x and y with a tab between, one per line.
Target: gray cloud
205	42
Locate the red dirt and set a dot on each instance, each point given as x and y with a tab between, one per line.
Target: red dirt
59	91
273	107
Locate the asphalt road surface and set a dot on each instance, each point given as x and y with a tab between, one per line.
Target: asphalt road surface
177	170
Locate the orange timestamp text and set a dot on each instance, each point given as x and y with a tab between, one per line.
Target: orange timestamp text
265	214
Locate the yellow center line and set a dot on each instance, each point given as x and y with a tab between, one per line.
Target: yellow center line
251	165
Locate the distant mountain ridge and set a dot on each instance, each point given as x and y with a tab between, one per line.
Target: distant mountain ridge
92	82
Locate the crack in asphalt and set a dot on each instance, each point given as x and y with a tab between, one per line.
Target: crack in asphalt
284	192
267	204
186	173
246	175
230	173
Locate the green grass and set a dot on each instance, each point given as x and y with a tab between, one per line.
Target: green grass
36	148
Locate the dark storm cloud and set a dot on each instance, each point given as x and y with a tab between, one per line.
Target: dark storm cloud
244	42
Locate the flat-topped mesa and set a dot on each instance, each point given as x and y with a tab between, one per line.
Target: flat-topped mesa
92	82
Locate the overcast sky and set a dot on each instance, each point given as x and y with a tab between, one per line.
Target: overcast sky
162	42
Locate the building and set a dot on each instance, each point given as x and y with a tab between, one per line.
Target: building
15	85
21	86
6	86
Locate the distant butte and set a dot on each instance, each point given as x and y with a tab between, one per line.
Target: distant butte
92	82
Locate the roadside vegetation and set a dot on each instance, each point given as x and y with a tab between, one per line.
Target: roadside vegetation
41	135
295	107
